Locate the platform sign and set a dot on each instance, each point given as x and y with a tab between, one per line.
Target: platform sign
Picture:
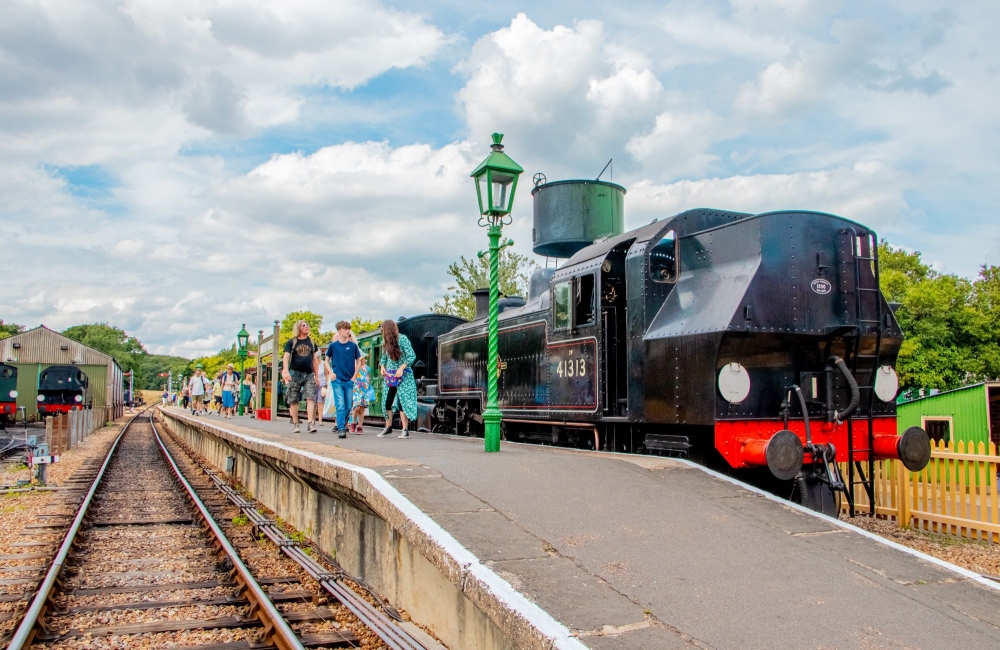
267	346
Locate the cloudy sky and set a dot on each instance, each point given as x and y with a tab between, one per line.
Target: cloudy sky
179	168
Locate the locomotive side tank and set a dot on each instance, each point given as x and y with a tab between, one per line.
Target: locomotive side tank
743	341
61	388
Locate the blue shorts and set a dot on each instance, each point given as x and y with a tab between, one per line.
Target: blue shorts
228	400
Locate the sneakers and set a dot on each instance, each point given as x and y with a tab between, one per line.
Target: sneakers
295	427
341	433
405	434
311	427
350	427
386	431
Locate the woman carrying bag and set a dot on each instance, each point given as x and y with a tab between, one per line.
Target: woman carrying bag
397	356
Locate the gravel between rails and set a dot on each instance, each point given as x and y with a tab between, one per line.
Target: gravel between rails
979	556
265	559
21	509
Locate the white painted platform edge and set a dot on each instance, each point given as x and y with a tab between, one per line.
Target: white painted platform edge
562	638
971	575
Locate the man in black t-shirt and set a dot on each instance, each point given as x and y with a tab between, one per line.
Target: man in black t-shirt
299	372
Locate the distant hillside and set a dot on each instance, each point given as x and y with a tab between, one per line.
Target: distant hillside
154	364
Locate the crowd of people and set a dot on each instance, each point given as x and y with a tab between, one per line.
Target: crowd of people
219	396
338	377
333	380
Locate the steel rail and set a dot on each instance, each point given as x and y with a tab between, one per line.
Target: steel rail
332	581
275	625
26	630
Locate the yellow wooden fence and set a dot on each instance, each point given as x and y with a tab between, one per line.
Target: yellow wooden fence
956	494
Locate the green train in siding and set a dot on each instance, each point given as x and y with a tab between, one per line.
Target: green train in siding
8	393
423	332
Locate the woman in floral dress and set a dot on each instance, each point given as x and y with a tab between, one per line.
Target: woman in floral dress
362	398
397	357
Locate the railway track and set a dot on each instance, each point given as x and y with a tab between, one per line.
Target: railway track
144	562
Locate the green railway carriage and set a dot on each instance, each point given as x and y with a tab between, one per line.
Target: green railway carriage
423	332
970	414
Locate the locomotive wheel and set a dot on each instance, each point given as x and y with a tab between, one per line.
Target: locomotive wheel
817	496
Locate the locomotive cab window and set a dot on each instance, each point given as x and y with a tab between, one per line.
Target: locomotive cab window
663	259
584	308
561	295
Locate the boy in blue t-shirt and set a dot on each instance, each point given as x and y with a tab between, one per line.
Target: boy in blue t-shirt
345	359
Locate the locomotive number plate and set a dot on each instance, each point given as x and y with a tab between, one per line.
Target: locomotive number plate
572	376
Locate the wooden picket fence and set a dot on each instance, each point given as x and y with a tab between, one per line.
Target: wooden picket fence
956	494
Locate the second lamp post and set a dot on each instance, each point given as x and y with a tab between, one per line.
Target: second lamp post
496	180
242	339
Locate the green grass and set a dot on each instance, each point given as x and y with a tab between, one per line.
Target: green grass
241	520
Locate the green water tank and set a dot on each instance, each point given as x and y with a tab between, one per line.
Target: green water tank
570	215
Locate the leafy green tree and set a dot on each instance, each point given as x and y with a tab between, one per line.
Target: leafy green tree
469	275
939	318
154	364
360	325
9	329
127	350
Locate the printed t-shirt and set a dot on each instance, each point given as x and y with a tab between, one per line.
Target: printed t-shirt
302	351
342	357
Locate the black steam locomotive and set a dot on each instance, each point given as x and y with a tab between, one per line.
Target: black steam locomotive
61	388
744	341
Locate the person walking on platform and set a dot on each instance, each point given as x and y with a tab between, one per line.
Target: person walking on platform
217	395
246	394
345	359
397	357
196	388
363	395
185	396
299	372
322	385
230	382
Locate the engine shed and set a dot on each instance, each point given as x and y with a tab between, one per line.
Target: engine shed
35	350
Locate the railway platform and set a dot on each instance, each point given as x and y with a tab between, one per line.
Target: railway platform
647	552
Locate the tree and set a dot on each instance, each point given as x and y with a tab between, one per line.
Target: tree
939	318
360	325
154	364
469	275
127	350
9	329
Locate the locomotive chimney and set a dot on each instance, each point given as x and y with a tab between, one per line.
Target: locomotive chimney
482	297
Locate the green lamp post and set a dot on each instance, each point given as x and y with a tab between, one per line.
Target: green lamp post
242	338
496	180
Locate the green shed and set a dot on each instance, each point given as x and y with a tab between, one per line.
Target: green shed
968	414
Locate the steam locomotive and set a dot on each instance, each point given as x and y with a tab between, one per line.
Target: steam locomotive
8	393
759	344
61	388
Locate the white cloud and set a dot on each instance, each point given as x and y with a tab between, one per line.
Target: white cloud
869	192
678	144
756	105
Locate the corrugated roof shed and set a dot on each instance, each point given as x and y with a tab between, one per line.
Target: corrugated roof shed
42	345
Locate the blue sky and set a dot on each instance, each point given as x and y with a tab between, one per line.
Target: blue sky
191	166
